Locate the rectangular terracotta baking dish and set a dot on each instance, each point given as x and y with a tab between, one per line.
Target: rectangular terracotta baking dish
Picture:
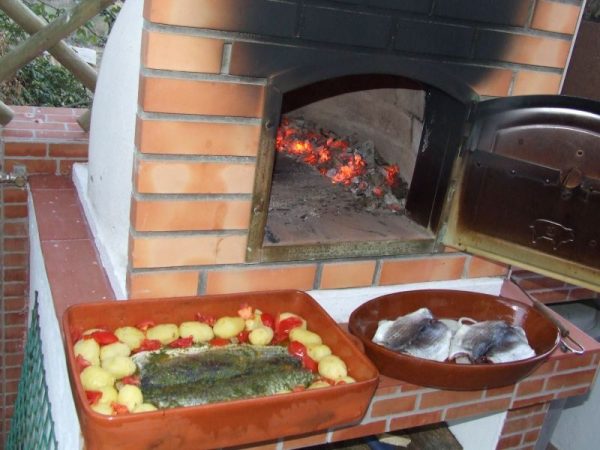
230	423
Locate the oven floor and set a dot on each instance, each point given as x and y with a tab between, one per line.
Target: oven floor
306	208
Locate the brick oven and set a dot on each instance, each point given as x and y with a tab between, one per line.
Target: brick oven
216	79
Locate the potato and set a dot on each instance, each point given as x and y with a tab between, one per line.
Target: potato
144	407
130	396
319	384
93	378
200	332
89	350
332	367
286	315
103	408
165	333
305	337
227	327
119	366
261	336
318	351
115	349
109	395
345	379
254	323
131	336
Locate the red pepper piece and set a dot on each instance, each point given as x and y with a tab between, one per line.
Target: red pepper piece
82	363
93	396
105	337
300	351
267	320
119	408
131	379
149	344
209	320
242	336
286	325
183	342
219	342
144	325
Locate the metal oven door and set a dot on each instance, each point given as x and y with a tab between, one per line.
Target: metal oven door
526	187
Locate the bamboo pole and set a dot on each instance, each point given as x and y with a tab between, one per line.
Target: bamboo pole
50	35
31	23
6	114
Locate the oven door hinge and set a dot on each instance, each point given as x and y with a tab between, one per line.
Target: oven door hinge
18	176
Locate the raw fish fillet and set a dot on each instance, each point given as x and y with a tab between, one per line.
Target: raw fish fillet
417	334
490	341
199	375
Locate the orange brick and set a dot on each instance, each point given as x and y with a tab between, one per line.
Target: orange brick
574	362
346	275
531	436
545	368
494	83
529	387
523	423
415	420
557	17
178	96
15	229
34	166
197	138
262	278
570	379
305	441
509	441
65	166
181	215
390	406
14	195
180	52
551	296
500	391
170	177
187	251
442	398
582	294
573	392
163	284
369	429
540	282
532	401
536	50
15	245
24	149
528	82
15	259
481	267
69	150
477	408
413	270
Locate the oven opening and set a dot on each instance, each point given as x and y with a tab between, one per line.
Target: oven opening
345	156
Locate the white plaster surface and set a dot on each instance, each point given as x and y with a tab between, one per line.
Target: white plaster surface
578	426
478	434
62	406
112	136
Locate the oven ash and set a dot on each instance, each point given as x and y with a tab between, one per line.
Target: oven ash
347	161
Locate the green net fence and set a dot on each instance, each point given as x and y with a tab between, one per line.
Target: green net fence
31	426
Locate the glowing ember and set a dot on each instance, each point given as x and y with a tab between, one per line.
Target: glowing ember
344	162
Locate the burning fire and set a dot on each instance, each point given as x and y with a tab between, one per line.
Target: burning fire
341	160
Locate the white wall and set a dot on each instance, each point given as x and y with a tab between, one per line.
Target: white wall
112	135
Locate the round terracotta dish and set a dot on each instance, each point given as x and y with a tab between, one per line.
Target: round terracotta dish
542	334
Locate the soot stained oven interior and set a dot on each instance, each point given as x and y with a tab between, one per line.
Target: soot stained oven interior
356	166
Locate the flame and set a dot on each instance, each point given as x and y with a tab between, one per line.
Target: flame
334	158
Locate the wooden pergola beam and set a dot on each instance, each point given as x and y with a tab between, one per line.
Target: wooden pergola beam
49	36
6	114
31	23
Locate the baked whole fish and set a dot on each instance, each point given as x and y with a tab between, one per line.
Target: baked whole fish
417	334
490	341
200	375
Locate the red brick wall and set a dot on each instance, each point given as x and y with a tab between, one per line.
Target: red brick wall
44	140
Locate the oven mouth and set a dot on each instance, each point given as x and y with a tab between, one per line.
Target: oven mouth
390	206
